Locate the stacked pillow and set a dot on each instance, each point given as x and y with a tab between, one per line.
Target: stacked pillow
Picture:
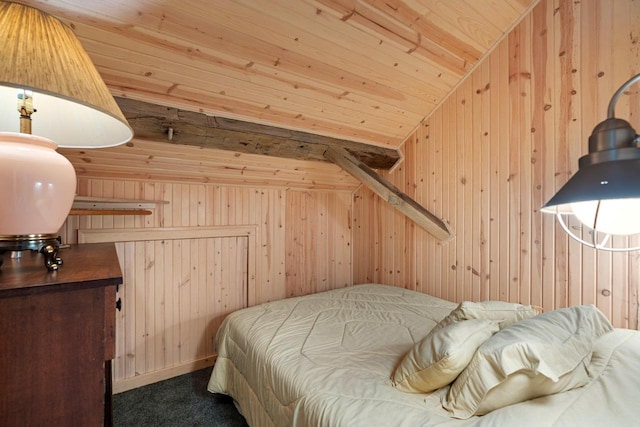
495	354
504	313
437	359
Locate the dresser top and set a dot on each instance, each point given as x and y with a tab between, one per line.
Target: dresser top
84	266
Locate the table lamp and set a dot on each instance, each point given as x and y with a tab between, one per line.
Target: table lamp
51	95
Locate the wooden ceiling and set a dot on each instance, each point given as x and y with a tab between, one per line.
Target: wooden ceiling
361	70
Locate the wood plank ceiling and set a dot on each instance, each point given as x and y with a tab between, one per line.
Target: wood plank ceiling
362	70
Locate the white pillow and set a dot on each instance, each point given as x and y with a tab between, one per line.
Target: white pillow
535	357
438	358
505	313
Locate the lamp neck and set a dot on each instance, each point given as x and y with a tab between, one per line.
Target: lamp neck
25	108
614	99
25	124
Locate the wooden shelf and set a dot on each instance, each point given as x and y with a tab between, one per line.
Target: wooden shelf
110	212
83	205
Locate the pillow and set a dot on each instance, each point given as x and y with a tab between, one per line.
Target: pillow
535	357
505	313
438	358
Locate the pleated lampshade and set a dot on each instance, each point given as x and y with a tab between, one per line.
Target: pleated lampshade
74	106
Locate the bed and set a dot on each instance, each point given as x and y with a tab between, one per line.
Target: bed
333	359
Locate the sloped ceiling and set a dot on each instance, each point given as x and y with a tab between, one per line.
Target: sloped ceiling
361	70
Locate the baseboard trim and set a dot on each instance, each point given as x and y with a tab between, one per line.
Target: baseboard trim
127	384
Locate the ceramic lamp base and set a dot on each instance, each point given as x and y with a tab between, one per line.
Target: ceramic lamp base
37	185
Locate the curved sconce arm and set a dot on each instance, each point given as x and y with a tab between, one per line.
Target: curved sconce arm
616	96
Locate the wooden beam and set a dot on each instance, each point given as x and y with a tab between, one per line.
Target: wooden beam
159	123
390	193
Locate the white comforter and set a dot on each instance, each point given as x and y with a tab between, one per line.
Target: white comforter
326	359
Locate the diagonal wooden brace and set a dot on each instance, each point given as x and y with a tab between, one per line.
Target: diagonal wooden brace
390	193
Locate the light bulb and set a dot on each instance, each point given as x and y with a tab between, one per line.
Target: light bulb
614	216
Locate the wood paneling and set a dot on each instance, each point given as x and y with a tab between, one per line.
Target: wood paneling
318	242
366	70
163	162
180	280
175	295
495	151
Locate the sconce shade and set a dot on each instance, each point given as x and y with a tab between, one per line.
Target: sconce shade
601	181
74	107
604	194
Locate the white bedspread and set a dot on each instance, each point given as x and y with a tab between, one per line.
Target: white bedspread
326	359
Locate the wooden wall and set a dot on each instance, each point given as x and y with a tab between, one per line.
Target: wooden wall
178	289
494	152
498	148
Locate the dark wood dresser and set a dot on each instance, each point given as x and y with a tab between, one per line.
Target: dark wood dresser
57	333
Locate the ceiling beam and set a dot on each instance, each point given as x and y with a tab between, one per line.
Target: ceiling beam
160	123
390	193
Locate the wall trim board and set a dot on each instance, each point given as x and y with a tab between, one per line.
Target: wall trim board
115	235
145	234
142	359
126	384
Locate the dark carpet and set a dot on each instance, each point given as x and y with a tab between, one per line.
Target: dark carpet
177	402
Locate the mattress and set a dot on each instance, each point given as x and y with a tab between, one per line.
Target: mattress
326	360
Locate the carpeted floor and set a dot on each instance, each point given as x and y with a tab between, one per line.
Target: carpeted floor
177	402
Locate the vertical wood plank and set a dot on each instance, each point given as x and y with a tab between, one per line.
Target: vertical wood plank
431	136
167	309
494	178
505	206
119	368
129	300
450	130
470	279
149	306
159	345
515	104
526	156
475	126
461	180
